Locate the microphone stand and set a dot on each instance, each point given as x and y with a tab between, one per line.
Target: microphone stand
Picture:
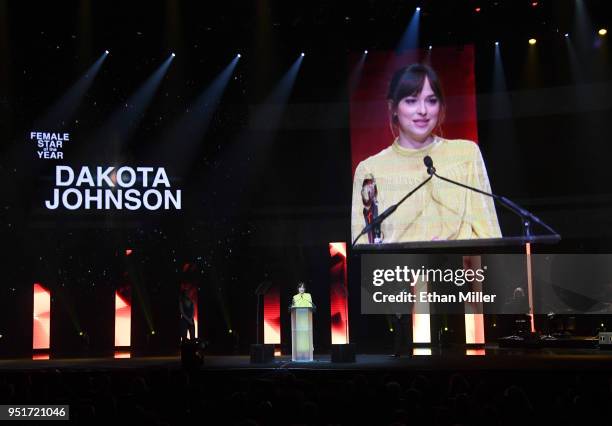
526	216
379	219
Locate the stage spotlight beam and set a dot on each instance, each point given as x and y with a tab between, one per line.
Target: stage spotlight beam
60	114
180	142
127	116
252	145
355	74
410	38
269	113
583	28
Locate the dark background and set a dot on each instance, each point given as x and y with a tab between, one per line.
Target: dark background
263	205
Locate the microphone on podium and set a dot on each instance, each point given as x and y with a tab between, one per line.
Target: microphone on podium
526	216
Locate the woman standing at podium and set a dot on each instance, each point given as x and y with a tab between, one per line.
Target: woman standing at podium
439	210
301	325
302	299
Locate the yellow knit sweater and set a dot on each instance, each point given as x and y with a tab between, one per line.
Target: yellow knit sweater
302	300
439	210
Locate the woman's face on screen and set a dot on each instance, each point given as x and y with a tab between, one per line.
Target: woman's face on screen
417	115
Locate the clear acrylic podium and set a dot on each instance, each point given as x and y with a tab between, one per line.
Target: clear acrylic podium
301	334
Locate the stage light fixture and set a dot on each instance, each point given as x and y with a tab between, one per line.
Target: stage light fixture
532	41
239	55
107	52
302	54
477	10
365	52
497	43
152	332
430	47
566	35
602	32
173	54
418	9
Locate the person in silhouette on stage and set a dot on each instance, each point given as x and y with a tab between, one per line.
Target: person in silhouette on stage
519	304
402	334
187	310
517	312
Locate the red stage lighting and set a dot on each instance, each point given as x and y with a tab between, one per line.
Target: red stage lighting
338	294
41	317
272	331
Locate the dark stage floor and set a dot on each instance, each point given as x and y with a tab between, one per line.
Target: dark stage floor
490	358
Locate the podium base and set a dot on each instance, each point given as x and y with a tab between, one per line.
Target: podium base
262	354
343	353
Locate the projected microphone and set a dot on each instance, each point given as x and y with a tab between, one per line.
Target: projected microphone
429	164
379	219
526	216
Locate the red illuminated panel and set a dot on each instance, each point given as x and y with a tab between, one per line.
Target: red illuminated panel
123	317
272	332
195	315
474	318
42	317
474	329
338	294
40	357
421	327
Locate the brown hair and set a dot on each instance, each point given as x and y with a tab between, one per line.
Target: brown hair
409	81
